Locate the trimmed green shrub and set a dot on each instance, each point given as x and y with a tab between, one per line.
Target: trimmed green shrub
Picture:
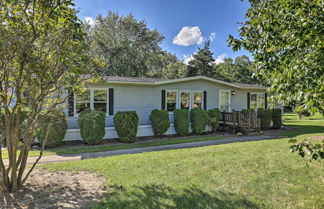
55	124
92	126
181	121
126	124
160	122
276	118
265	116
214	115
199	120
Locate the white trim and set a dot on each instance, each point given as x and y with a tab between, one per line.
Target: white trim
229	98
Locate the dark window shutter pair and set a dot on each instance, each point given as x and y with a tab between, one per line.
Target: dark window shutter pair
71	103
248	100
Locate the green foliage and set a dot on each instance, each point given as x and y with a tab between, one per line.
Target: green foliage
306	149
160	122
202	61
265	116
53	126
214	115
277	118
181	121
92	126
199	120
285	39
126	125
301	111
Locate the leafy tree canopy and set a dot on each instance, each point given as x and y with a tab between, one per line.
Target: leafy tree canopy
285	38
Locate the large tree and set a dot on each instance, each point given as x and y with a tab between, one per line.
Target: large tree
285	38
202	62
42	53
125	45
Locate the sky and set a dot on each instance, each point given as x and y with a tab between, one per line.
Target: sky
185	24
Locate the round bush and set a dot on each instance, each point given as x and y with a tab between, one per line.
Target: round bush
54	126
92	126
126	125
276	118
214	115
160	122
265	116
181	122
199	120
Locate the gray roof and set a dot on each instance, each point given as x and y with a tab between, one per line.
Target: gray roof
132	79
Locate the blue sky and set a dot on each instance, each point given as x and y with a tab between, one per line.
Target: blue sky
186	24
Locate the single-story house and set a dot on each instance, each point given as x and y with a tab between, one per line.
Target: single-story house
145	94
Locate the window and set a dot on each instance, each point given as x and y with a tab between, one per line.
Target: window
94	99
257	100
171	100
82	102
185	98
224	100
198	99
100	100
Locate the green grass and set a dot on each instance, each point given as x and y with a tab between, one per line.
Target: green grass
260	174
32	153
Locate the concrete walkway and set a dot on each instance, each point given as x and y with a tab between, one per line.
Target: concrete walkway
82	156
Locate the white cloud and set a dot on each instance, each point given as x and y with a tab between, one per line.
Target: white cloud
220	58
189	36
187	58
90	21
212	36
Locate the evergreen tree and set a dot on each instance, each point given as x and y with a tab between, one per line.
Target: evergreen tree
202	62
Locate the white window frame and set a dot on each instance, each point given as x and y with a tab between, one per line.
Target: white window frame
257	99
166	99
229	98
193	98
190	98
92	100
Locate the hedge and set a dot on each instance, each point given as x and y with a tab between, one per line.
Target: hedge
214	115
265	116
55	124
276	118
126	125
160	122
92	126
199	120
181	121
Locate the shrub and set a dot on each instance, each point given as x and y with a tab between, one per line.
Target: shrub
126	124
276	118
214	115
160	122
199	120
92	126
181	122
265	116
54	126
300	111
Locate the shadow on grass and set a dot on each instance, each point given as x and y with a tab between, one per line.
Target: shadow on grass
160	196
304	129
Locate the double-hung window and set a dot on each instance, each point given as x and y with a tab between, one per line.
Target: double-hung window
185	100
224	100
94	99
171	100
257	100
198	99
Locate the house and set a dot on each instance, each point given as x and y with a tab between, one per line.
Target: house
145	94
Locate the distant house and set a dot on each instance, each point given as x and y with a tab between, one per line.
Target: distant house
145	94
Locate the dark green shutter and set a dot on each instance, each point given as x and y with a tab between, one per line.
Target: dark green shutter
111	101
248	100
163	100
205	100
71	104
265	100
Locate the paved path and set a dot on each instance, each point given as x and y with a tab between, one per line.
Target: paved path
82	156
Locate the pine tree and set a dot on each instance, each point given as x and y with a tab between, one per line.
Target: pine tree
202	61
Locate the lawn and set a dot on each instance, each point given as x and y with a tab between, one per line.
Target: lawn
262	174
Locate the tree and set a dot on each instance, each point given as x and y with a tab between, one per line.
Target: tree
126	46
42	53
285	39
239	70
202	62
